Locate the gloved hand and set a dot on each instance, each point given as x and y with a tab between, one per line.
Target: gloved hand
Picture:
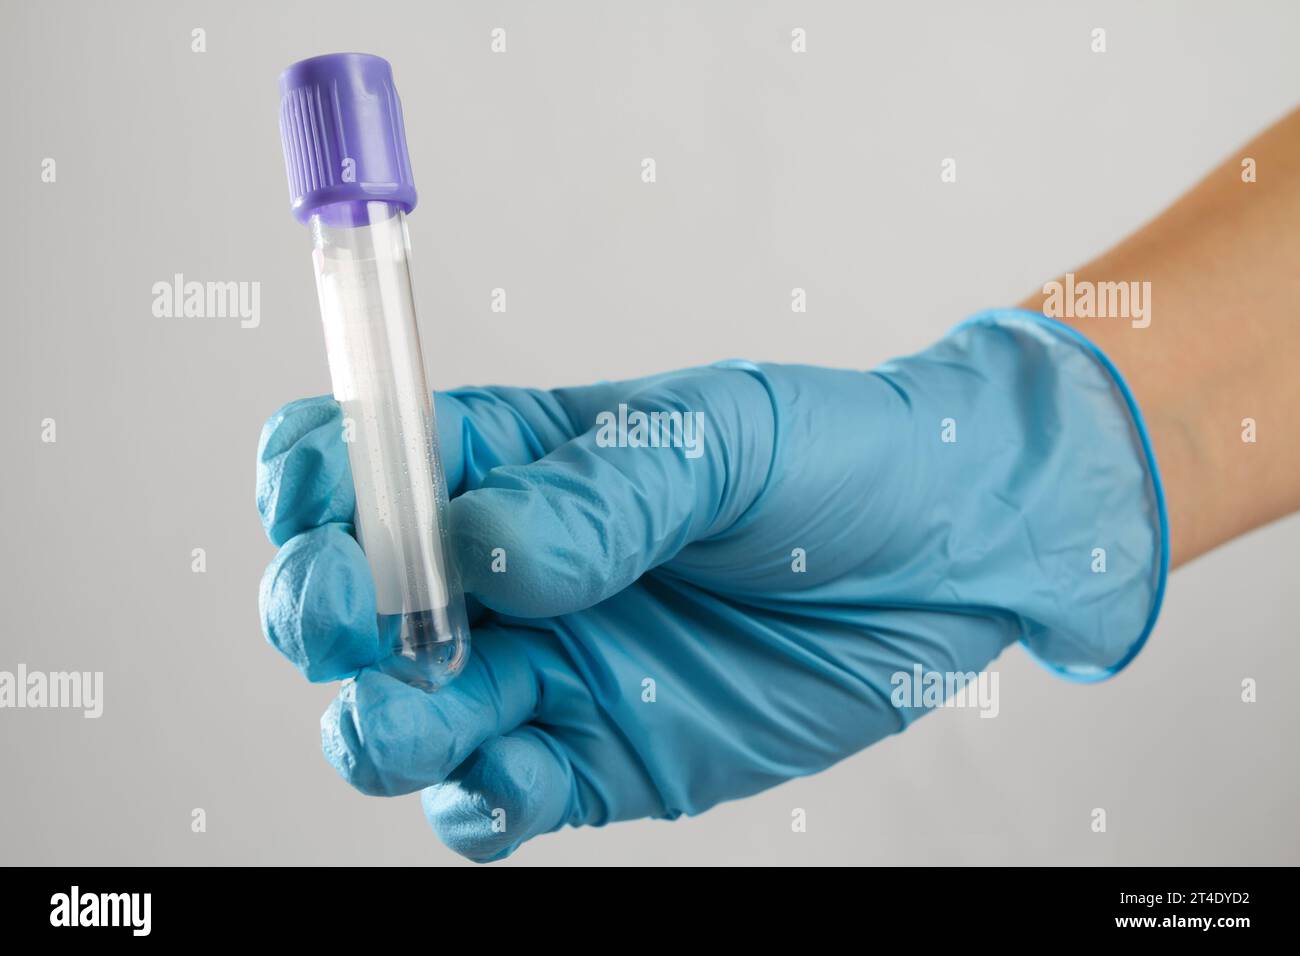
945	505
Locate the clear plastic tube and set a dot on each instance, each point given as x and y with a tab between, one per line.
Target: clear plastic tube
362	259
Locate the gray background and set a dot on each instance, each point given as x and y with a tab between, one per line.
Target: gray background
775	170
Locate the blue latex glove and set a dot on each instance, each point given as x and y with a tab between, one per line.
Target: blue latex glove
626	565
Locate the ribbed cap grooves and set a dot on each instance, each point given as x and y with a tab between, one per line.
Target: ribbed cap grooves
342	132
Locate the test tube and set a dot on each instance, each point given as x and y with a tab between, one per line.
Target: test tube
350	183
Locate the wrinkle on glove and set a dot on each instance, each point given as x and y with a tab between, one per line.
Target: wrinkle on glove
1054	467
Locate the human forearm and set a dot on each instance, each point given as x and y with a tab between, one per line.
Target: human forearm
1222	344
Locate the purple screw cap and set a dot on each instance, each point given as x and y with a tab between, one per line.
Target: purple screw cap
341	128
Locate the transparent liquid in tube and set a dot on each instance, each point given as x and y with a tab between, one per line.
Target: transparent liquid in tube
377	371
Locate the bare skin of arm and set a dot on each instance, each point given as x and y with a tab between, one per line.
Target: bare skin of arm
1223	343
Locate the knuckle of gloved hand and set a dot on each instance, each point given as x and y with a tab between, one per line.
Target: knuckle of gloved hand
303	476
375	735
318	609
549	573
292	420
464	823
486	811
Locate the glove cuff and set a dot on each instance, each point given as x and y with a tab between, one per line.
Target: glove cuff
1100	501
